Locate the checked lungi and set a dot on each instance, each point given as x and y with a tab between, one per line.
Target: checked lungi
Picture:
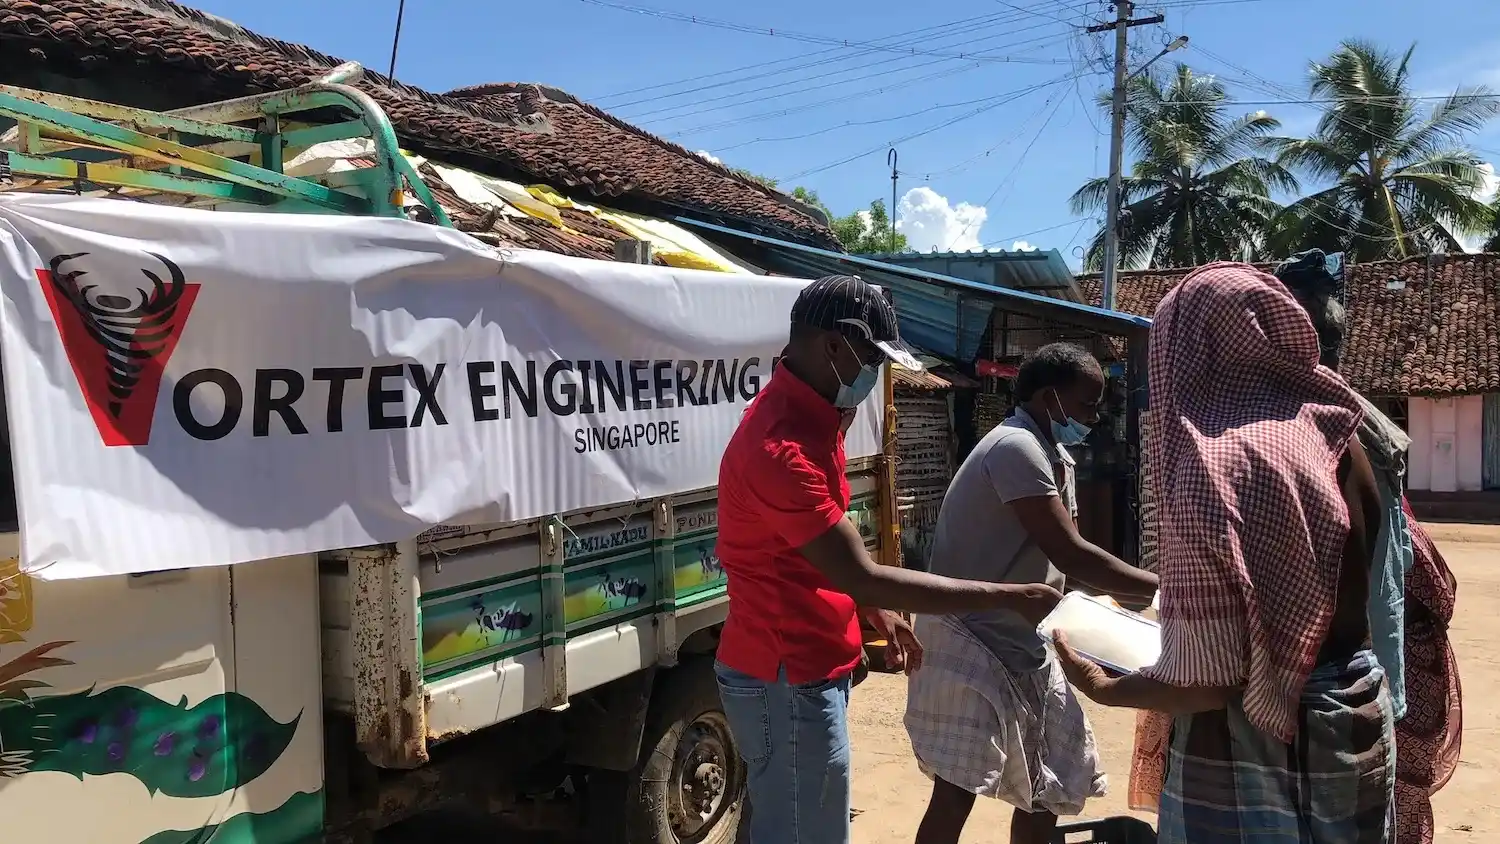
1018	737
1229	783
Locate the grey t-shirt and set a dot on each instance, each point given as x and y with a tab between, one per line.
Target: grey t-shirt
979	536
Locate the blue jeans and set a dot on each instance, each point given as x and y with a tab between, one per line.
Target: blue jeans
795	743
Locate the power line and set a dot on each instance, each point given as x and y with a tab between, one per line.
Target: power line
880	89
1009	177
971	21
720	104
1004	99
1010	139
797	109
854	123
886	84
1036	12
805	37
1032	233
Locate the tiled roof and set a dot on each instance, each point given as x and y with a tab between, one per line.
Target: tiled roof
532	130
1419	327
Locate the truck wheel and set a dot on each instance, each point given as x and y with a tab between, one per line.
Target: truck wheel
689	785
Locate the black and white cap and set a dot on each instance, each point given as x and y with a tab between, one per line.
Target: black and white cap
851	306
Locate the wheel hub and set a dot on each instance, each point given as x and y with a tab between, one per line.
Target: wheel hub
703	771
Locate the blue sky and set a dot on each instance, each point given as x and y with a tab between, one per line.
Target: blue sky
992	147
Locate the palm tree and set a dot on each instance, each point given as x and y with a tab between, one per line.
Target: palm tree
1493	244
1198	191
1402	183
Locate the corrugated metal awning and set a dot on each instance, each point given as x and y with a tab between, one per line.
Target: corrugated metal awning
940	313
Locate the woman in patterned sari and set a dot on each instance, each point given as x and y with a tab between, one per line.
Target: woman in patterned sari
1281	719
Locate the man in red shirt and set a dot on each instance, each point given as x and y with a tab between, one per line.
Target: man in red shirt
799	574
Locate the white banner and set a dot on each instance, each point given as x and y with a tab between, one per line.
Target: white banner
191	388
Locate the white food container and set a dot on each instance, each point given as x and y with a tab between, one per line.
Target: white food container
1104	632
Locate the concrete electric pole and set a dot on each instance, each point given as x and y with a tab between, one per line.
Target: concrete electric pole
1121	27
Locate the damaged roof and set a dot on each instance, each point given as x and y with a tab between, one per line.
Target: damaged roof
534	131
1420	327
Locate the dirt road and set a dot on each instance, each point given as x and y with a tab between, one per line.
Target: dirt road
890	794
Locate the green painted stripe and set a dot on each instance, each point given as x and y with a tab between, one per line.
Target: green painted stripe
601	623
611	615
489	654
437	595
470	663
717	586
688	537
575	566
701	597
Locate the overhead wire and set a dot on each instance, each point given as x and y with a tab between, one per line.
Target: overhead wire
884	87
1004	99
855	123
1035	12
985	153
1015	168
1032	233
839	52
799	36
720	103
965	27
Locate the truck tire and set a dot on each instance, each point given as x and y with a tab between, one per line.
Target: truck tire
688	786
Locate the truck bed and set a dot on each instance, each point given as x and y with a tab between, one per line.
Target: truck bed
505	628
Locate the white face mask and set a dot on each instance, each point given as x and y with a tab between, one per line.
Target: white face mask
853	394
1070	432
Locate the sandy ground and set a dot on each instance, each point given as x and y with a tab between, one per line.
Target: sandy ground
890	794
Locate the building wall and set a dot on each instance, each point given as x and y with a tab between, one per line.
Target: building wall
1448	445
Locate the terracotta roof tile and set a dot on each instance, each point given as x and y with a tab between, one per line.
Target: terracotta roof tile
1419	327
586	235
537	131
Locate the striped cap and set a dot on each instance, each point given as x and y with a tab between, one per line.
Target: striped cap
853	307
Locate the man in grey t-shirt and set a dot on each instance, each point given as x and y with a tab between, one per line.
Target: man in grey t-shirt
990	712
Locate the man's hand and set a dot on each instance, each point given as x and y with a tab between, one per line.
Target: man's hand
846	419
1087	677
1034	600
902	650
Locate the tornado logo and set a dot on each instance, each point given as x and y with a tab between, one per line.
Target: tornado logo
118	339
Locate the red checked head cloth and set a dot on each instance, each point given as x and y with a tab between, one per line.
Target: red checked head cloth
1247	433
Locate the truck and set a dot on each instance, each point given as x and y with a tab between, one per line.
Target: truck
336	693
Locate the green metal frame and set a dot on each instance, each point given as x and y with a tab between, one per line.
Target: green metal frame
196	152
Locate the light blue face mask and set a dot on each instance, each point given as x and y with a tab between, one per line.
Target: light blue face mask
1071	433
853	395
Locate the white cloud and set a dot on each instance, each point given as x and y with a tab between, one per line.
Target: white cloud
1491	183
930	222
1022	246
1487	192
709	157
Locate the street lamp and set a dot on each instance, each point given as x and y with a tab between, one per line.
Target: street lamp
1177	44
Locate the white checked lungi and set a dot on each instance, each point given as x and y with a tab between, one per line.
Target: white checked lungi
973	723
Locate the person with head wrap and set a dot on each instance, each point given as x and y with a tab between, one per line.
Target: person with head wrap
1282	720
1423	669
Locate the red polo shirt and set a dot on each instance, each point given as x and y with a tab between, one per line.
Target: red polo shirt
781	485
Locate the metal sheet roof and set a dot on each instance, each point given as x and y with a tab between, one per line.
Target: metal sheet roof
1042	271
941	313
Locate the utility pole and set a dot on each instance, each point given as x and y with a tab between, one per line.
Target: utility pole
396	40
890	158
1121	27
